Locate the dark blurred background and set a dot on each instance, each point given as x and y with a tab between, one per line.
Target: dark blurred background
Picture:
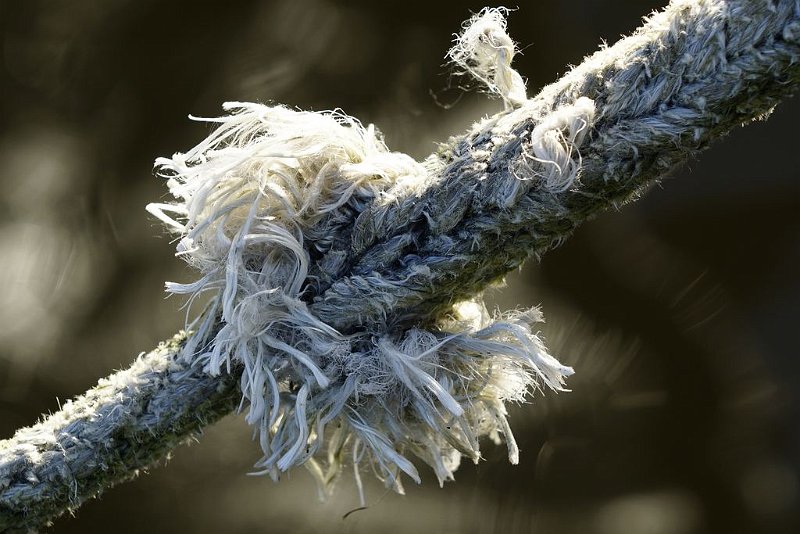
679	313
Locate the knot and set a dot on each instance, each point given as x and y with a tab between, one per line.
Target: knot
260	205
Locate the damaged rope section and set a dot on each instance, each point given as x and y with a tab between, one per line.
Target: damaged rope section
261	205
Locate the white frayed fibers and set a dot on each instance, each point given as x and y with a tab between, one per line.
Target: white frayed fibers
555	141
485	51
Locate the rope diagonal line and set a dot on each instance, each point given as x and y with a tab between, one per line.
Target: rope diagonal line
347	278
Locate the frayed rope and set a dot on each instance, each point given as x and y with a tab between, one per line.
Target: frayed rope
251	199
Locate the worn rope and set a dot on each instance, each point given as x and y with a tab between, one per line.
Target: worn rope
381	268
128	422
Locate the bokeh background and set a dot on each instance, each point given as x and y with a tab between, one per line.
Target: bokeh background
679	313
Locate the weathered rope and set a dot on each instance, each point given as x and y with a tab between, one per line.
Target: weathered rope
515	185
129	421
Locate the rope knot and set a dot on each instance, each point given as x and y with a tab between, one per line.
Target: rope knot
261	206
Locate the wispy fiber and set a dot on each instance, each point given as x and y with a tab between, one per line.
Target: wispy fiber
378	273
